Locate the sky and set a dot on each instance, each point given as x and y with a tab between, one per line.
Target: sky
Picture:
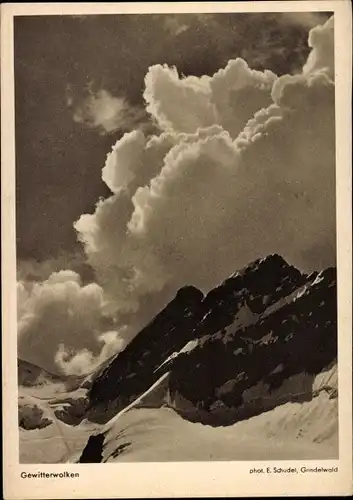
154	151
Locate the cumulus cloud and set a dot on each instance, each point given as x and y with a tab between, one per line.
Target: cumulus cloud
116	245
83	361
229	98
321	57
61	312
32	270
102	111
238	92
244	166
179	105
218	204
135	159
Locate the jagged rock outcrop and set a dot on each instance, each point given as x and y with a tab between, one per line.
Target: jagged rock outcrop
258	285
72	411
132	371
238	374
241	299
92	452
63	396
264	342
227	332
31	416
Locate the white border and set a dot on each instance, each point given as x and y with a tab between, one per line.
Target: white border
188	479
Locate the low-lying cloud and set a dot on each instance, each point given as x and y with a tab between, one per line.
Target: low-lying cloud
62	326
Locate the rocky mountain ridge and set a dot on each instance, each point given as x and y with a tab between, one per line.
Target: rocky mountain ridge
258	350
236	376
226	352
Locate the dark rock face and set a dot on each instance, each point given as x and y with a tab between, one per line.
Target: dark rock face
264	324
256	286
73	411
93	451
296	336
132	371
32	417
259	284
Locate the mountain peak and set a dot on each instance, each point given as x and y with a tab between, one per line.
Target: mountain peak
273	260
213	323
189	293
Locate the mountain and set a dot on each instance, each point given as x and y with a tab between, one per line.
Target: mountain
132	371
150	431
49	404
241	372
245	372
29	374
229	352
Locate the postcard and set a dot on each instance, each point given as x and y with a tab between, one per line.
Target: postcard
176	249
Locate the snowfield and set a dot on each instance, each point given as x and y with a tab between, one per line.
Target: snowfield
283	434
305	430
150	430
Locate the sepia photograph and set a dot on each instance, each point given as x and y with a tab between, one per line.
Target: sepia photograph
176	239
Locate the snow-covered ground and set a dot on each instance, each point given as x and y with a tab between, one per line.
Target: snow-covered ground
303	430
47	439
150	430
53	444
285	433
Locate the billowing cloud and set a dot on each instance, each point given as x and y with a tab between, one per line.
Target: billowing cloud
238	92
179	105
104	112
229	98
84	361
32	270
321	58
135	159
61	312
116	246
245	166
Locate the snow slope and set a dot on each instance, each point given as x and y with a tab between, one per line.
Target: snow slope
149	430
44	401
162	435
